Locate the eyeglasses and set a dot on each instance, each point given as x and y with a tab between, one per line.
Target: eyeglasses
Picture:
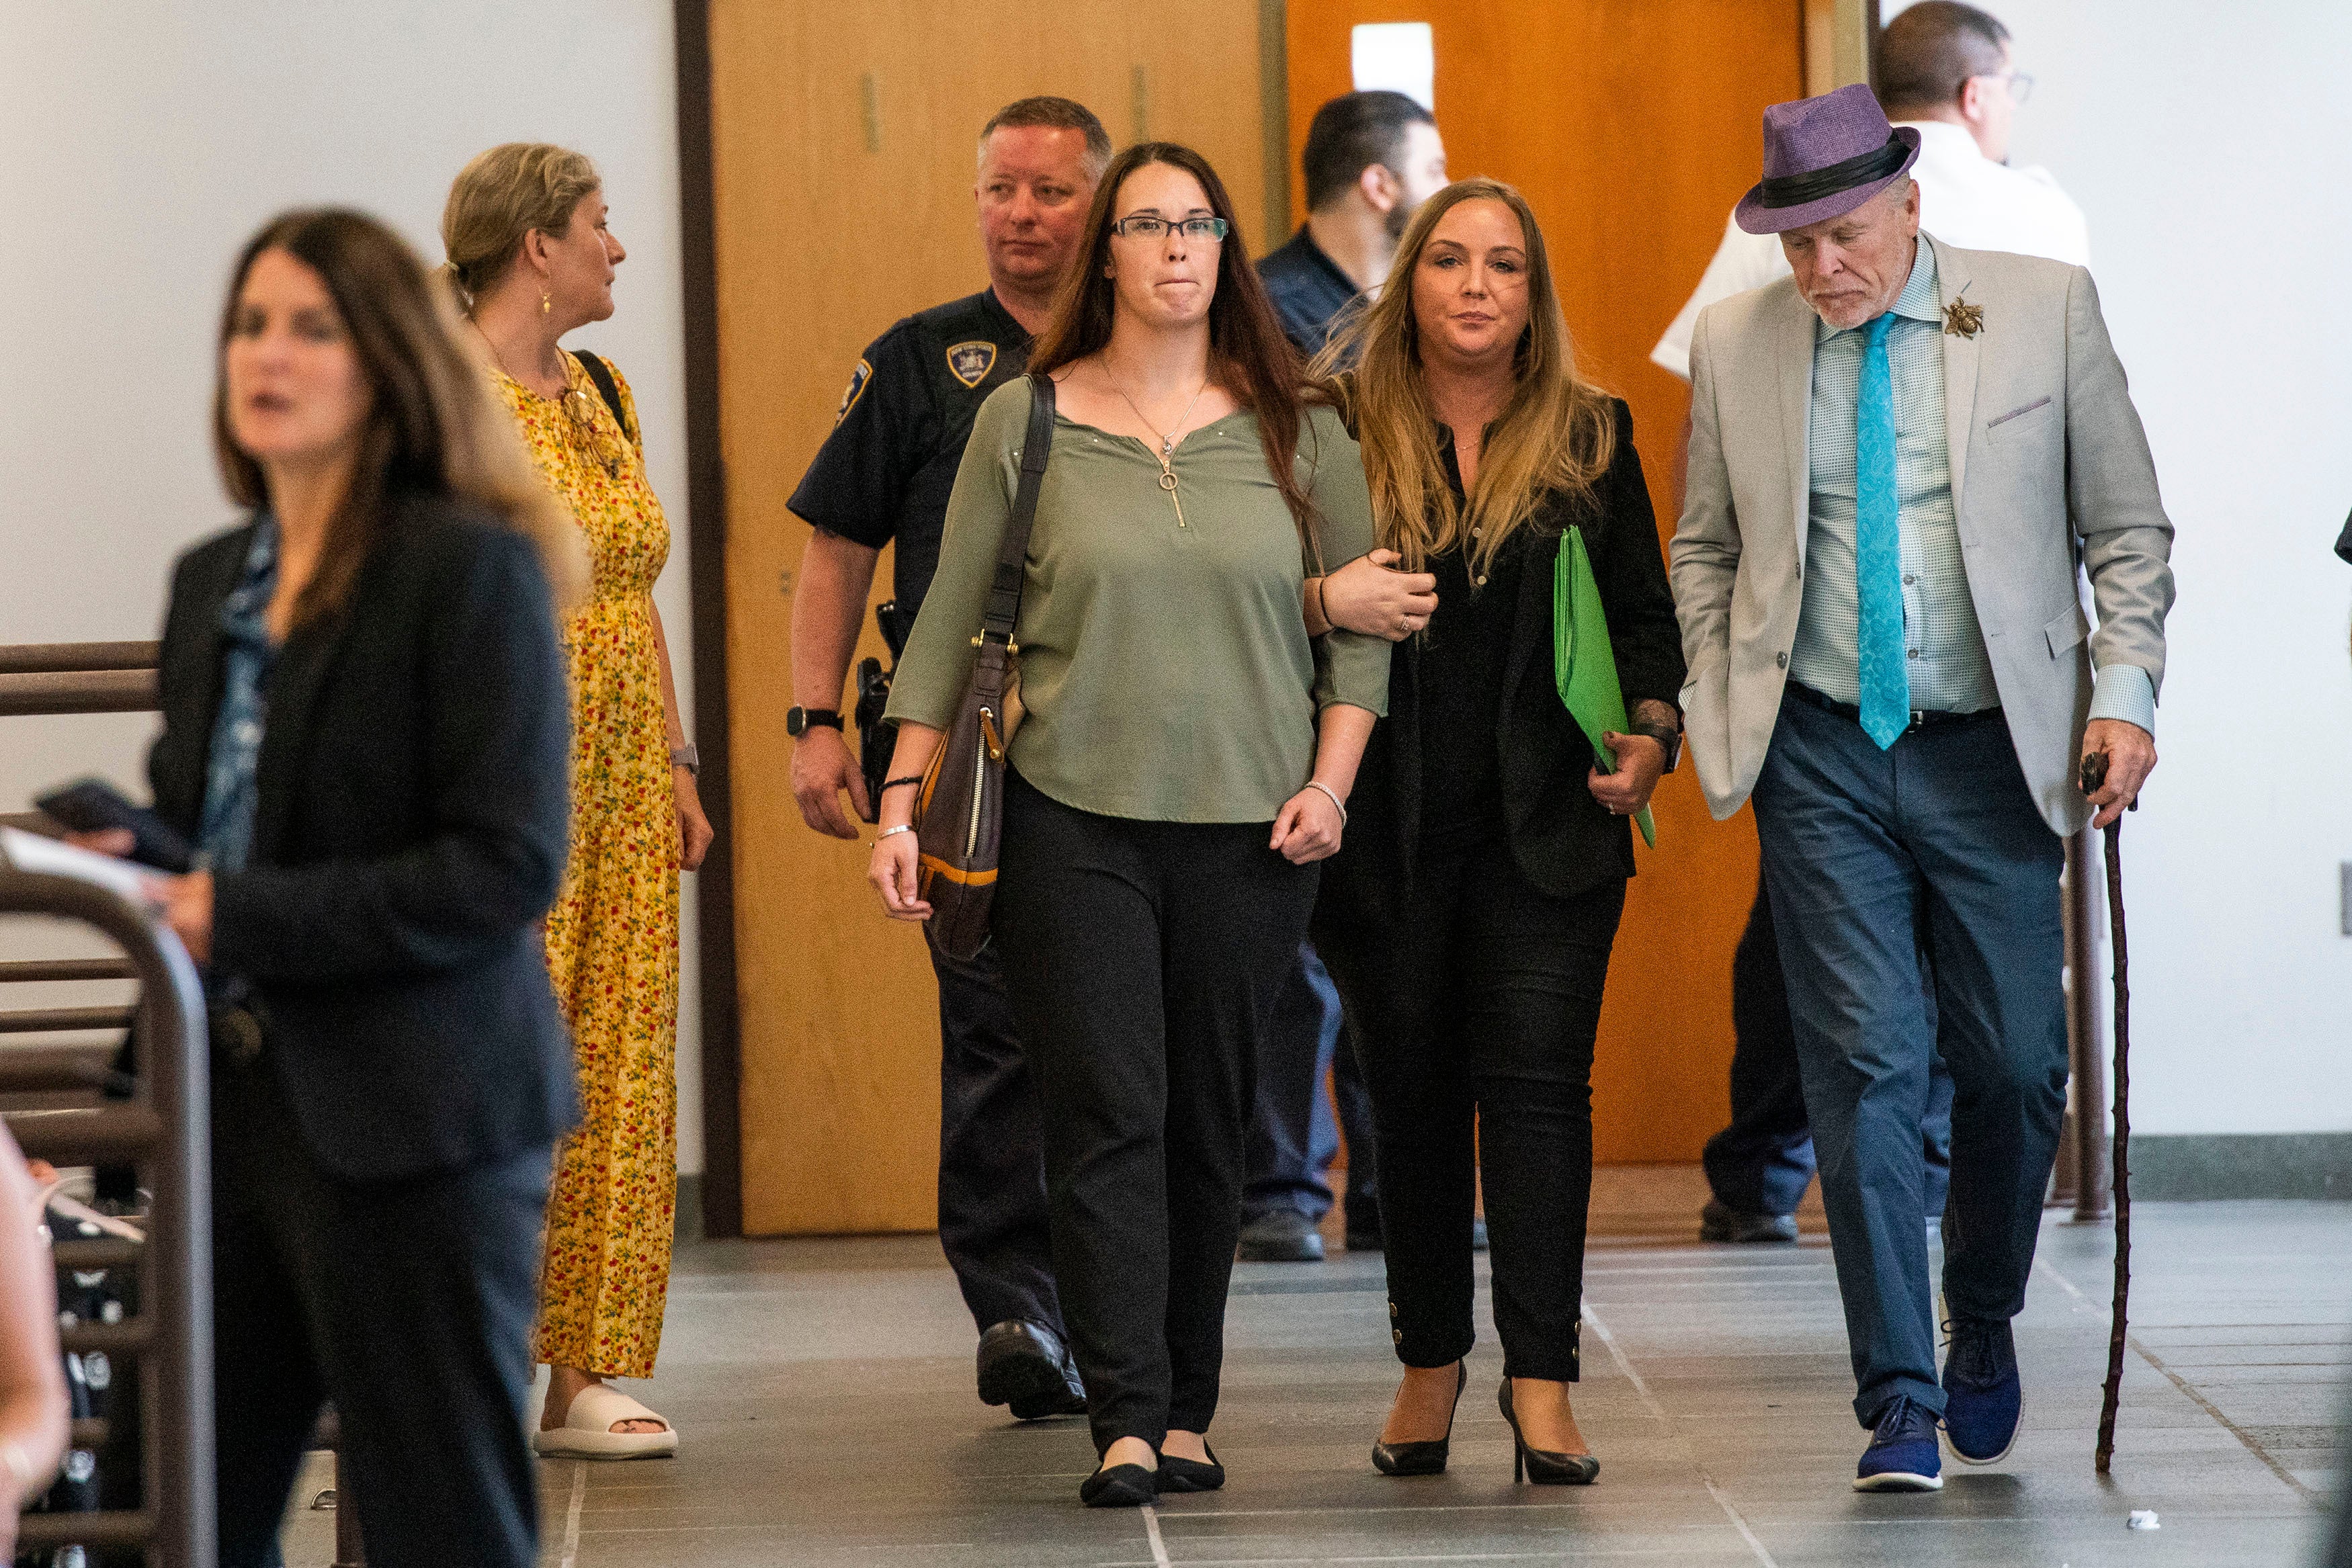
2020	85
1146	227
586	434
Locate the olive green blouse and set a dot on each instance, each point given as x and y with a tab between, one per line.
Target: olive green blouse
1165	665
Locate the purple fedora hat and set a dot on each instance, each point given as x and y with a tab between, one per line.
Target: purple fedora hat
1824	157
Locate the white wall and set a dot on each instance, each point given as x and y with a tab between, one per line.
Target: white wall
2211	148
147	140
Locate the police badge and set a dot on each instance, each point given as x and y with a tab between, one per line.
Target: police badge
971	363
857	380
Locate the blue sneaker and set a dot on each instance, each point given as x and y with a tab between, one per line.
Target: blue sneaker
1903	1455
1983	1395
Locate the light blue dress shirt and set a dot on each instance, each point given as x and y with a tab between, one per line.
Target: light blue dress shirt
1944	647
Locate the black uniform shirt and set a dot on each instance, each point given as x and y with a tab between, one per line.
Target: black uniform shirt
887	470
1309	290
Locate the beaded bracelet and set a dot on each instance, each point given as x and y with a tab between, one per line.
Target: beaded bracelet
1336	801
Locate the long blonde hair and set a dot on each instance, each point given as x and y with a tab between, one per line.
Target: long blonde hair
1556	433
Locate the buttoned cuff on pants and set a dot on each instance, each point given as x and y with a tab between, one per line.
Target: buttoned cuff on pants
1873	858
1475	1009
1144	959
993	1218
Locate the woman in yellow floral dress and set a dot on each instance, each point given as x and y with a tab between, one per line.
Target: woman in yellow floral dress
532	257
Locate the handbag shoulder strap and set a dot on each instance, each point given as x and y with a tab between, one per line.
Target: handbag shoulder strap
1013	558
606	387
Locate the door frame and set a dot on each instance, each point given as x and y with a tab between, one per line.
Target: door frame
722	1039
706	511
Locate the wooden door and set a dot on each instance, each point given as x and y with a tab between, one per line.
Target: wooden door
1631	128
844	140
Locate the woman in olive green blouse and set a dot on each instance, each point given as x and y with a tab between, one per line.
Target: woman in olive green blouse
1185	762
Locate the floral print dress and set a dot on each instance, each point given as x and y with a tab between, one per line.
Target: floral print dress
612	937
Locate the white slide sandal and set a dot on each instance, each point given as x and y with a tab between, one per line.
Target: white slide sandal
587	1430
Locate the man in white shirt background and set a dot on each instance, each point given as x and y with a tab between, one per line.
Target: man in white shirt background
1947	71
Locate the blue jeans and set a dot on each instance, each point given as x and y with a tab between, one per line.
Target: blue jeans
1762	1163
1293	1138
1874	859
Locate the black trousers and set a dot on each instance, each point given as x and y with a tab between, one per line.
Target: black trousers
408	1304
993	1219
1474	1011
1144	960
1762	1163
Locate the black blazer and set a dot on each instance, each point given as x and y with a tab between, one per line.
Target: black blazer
409	833
1563	840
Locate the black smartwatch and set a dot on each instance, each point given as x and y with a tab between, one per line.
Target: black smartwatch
1670	739
798	719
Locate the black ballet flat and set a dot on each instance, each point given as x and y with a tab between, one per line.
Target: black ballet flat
1541	1467
1183	1475
1118	1486
1422	1459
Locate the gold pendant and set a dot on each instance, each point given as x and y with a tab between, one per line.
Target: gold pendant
1962	320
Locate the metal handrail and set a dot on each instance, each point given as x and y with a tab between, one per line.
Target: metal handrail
53	658
78	677
163	1128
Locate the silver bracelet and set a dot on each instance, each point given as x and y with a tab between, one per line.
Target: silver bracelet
903	827
1342	805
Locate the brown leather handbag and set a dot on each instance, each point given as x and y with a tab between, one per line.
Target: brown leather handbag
959	811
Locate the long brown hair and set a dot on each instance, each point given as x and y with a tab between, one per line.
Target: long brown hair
1248	355
1556	433
430	428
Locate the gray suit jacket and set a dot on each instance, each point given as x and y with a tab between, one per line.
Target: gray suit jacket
2046	450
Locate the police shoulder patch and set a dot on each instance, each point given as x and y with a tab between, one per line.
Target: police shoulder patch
857	380
971	363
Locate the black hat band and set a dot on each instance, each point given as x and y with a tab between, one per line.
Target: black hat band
1799	190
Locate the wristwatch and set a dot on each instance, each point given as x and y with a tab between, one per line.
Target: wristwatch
1671	740
797	719
687	757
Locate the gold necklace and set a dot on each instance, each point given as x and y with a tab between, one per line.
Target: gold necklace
1167	452
579	415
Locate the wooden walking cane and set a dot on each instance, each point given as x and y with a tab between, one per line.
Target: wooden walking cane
2094	777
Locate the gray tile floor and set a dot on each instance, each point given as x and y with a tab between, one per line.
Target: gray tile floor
824	1392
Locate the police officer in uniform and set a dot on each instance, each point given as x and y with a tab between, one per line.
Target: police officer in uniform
884	476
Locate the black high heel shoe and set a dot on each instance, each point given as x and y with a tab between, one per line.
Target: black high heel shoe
1118	1486
1541	1465
1426	1458
1178	1474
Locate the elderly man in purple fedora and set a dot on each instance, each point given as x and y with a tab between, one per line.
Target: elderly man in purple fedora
1898	457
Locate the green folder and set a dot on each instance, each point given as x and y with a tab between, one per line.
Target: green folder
1583	663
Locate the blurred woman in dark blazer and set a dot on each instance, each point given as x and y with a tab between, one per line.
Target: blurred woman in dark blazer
365	731
1468	916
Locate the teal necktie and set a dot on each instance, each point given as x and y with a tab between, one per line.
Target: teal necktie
1878	548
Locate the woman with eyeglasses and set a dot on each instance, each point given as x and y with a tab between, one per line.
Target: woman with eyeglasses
532	260
1184	764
